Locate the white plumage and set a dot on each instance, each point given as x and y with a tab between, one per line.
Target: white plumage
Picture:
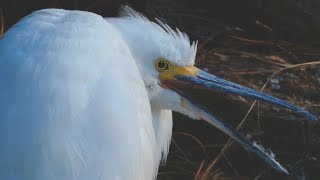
58	71
84	97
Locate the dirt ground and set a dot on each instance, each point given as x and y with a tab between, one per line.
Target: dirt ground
253	43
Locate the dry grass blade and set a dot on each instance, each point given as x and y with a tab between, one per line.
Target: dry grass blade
230	164
254	72
226	146
260	24
217	175
260	175
252	55
256	42
194	138
230	141
197	176
296	66
2	22
185	157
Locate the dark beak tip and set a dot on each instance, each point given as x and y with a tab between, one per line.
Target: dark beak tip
209	81
309	116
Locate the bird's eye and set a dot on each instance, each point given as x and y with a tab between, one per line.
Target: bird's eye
162	64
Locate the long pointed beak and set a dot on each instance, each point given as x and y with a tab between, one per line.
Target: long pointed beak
180	78
208	81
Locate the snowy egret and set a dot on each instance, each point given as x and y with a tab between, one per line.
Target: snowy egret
84	97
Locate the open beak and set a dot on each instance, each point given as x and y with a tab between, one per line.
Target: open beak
180	79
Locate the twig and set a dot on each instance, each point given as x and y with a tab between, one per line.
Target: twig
181	151
2	22
257	42
260	175
259	120
234	170
260	24
197	176
254	72
194	138
228	144
288	52
230	141
260	58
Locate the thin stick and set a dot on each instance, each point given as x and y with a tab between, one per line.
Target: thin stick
260	175
252	55
181	151
230	164
258	42
197	176
230	141
2	22
194	138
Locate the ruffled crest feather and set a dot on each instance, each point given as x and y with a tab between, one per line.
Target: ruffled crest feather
180	37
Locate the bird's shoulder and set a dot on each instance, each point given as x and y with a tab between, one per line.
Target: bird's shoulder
61	16
67	39
71	74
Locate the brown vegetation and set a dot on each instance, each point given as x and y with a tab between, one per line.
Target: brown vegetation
271	46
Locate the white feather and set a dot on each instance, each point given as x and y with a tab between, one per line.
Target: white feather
80	98
157	39
73	105
162	123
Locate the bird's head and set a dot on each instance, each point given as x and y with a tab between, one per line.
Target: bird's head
165	59
159	52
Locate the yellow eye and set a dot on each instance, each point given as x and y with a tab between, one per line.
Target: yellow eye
161	64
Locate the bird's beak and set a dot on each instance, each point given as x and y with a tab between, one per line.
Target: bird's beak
180	79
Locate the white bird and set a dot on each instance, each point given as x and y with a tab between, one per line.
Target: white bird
82	97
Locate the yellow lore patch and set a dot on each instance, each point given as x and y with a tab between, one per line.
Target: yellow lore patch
178	70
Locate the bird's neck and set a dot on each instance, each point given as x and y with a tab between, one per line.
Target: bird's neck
162	123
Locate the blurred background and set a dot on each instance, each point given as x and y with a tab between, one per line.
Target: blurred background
269	45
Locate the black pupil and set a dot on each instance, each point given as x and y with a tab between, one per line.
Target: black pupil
161	65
